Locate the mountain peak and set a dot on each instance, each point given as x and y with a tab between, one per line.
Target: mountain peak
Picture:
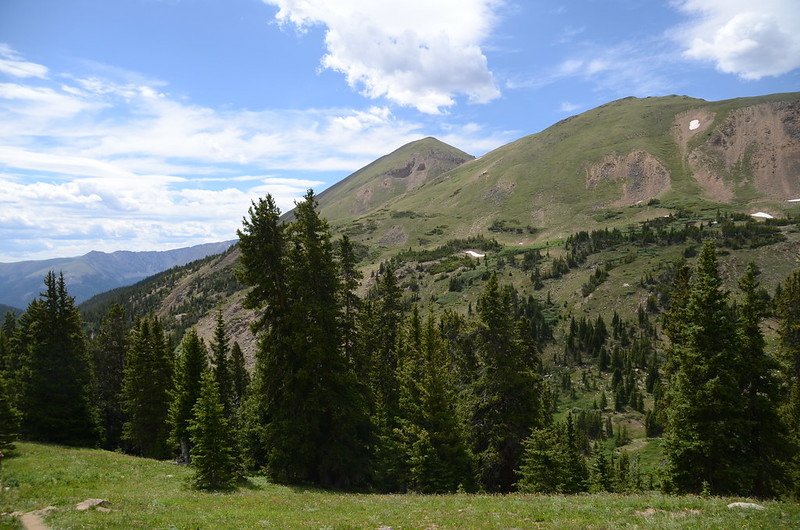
403	170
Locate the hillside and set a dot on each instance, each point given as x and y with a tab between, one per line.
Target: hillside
144	493
6	308
94	272
599	168
626	163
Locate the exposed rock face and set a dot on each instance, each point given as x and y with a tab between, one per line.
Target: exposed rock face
757	146
642	175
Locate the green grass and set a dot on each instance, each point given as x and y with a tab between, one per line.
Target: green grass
150	494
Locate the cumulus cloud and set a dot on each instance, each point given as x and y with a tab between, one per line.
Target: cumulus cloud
416	53
742	38
107	164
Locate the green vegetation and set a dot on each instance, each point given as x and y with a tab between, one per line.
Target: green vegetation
150	494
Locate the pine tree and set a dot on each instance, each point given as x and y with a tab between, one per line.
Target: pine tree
766	436
551	461
219	364
705	432
788	312
506	398
601	477
9	420
436	459
146	388
58	404
212	448
309	412
108	350
240	377
190	367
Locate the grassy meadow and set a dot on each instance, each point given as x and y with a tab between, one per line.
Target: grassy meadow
151	494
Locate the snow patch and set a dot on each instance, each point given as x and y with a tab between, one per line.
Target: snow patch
762	215
694	124
794	200
474	254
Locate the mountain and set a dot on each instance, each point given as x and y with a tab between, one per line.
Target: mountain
668	162
601	168
94	272
6	308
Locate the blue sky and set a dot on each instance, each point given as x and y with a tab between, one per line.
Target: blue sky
148	125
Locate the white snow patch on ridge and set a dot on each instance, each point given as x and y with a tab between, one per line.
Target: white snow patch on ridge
762	215
474	254
794	200
694	124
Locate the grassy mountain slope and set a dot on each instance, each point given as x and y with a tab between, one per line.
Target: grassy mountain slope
401	172
146	493
617	165
598	168
94	272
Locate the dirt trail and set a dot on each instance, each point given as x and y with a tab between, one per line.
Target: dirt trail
34	521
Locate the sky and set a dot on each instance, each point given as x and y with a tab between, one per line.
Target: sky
152	124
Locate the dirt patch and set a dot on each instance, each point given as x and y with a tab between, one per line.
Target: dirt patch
682	126
363	201
34	521
764	140
393	237
500	192
712	182
642	175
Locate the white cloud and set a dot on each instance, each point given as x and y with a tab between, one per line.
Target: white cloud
12	64
108	164
417	53
742	38
566	106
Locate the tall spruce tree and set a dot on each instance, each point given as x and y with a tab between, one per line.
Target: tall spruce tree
146	390
788	313
212	452
240	377
506	397
428	437
705	431
220	365
190	367
108	350
767	444
57	405
9	420
314	420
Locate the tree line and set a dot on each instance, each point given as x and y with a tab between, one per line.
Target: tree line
368	393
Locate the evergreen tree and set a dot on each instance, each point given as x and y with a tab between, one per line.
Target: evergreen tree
212	449
312	418
58	404
240	378
429	435
551	461
601	477
146	389
705	435
767	445
219	364
788	312
506	398
189	369
9	420
108	350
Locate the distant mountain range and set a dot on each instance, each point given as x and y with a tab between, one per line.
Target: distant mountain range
95	272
